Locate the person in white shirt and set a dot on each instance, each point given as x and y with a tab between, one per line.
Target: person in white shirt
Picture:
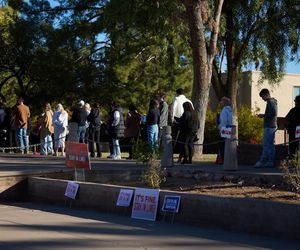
177	105
176	112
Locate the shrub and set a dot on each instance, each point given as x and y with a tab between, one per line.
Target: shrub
153	175
250	126
291	172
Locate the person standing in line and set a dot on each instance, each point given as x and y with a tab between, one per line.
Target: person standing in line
293	121
164	113
270	126
79	116
225	121
60	122
176	113
94	120
177	105
87	108
117	129
188	124
153	118
132	128
22	114
46	131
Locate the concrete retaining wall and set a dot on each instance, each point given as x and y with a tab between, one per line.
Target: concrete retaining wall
268	218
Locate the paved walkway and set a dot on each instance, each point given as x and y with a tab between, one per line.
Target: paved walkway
30	226
16	164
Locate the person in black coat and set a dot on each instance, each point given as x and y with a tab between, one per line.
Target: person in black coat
293	121
188	125
94	120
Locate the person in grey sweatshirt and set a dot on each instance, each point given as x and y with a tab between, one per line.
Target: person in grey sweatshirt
270	127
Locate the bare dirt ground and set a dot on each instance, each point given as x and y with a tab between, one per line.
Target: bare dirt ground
223	189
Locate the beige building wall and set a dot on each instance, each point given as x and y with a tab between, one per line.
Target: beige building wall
248	95
283	92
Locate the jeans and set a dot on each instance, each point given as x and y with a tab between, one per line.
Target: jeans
268	153
152	132
46	145
116	147
81	133
21	134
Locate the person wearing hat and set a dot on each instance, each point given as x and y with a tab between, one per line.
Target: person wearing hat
293	120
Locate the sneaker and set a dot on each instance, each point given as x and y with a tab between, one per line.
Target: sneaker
117	157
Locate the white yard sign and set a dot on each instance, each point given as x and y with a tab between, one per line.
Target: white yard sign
71	189
226	132
145	204
125	197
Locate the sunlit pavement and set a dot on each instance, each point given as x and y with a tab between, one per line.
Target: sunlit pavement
41	227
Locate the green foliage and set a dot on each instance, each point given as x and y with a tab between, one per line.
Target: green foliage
153	175
143	153
250	126
211	133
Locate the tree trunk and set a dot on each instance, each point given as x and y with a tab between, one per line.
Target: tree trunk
203	55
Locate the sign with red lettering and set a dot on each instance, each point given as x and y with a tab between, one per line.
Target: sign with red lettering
71	189
124	197
297	135
226	132
145	204
171	203
77	155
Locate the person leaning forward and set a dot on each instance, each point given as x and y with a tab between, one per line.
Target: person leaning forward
270	126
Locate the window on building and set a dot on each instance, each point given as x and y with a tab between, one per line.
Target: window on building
296	92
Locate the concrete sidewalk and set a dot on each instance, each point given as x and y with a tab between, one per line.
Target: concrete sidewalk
31	226
16	164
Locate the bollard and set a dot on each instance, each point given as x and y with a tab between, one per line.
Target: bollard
73	132
230	156
167	155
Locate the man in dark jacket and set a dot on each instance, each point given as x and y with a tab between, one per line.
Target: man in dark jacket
270	127
79	116
293	121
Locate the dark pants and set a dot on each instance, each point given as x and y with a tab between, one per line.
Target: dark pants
222	148
293	146
130	141
94	138
187	148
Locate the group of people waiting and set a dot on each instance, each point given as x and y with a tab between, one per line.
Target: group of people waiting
52	127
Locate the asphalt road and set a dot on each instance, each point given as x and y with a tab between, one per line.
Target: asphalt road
30	226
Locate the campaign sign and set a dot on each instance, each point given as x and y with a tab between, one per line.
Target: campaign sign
226	132
171	204
71	189
77	155
145	204
297	135
124	197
